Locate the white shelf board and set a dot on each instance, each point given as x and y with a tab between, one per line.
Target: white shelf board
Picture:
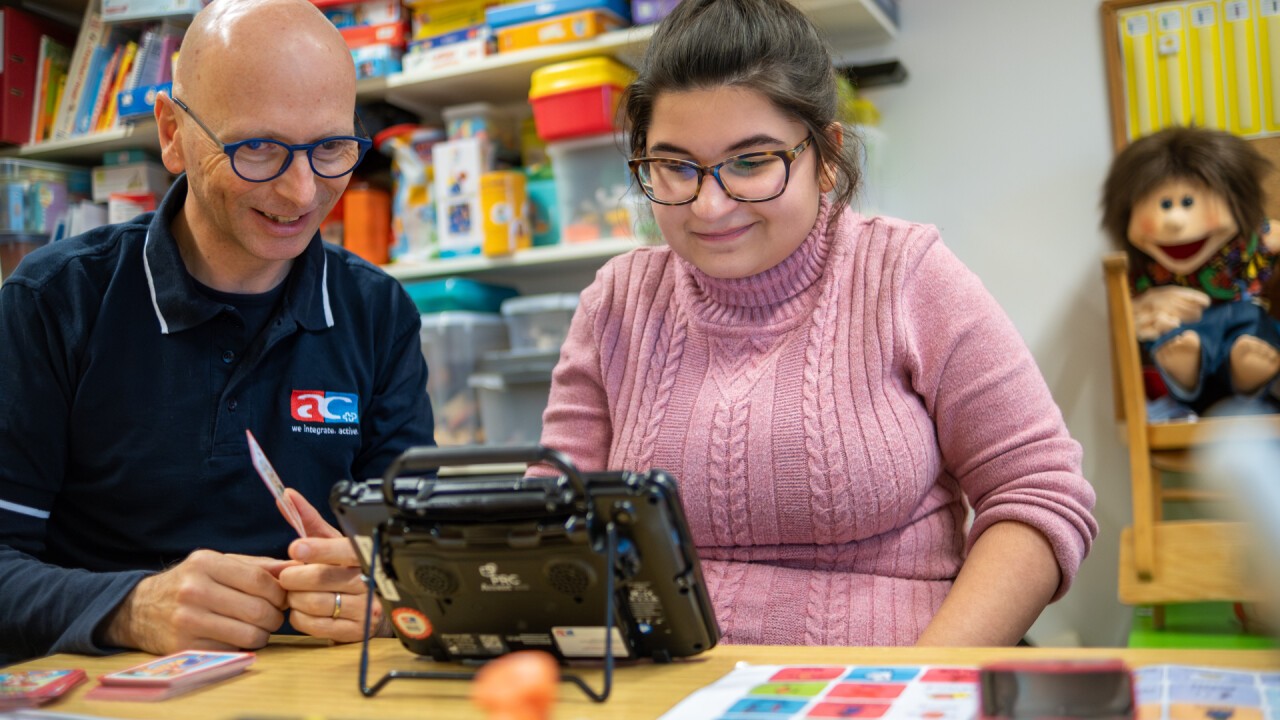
559	255
88	149
503	77
70	11
850	24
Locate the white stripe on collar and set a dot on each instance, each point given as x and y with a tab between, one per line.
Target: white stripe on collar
151	285
324	289
24	510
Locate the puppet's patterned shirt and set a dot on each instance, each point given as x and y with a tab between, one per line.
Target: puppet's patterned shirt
1239	271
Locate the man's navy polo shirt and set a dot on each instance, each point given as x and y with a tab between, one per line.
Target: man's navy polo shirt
125	394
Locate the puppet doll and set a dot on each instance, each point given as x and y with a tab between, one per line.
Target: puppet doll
1187	204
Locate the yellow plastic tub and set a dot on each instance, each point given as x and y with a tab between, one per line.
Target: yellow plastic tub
578	97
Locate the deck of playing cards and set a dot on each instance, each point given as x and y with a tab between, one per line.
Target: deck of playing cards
35	687
171	675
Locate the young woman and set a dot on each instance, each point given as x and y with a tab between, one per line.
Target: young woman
834	392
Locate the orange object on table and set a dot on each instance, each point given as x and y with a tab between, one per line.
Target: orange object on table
519	686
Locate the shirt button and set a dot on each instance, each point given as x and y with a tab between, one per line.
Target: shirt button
228	356
232	405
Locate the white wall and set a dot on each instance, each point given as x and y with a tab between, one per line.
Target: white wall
1000	137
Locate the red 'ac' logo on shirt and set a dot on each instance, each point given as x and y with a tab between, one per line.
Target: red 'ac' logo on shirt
320	406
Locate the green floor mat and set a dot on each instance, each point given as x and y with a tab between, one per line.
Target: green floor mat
1195	625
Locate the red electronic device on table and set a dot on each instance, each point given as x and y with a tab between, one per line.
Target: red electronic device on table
1056	689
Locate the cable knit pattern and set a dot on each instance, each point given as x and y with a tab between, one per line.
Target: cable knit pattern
827	420
662	372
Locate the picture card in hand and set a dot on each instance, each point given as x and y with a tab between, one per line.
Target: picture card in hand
35	687
170	675
274	484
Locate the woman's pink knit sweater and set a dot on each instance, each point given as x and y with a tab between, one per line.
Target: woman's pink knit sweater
824	420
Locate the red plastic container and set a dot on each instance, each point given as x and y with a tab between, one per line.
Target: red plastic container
577	98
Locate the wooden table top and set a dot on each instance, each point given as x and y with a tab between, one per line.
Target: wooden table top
296	677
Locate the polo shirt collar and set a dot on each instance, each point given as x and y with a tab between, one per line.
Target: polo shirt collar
179	305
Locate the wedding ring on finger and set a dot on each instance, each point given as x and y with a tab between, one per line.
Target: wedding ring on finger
337	606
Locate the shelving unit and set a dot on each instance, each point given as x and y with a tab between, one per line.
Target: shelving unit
500	78
88	149
65	10
564	257
503	77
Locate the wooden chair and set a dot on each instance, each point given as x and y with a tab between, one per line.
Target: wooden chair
1169	561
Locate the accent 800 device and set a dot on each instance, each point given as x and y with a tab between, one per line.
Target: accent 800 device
473	567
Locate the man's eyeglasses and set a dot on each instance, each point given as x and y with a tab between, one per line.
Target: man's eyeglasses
263	159
752	177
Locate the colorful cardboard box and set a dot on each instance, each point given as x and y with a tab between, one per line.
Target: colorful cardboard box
140	102
376	60
369	12
501	16
561	28
121	10
439	58
143	177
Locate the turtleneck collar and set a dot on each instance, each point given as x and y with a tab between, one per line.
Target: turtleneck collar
773	296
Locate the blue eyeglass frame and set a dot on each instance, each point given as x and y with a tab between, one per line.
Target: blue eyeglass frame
787	156
230	149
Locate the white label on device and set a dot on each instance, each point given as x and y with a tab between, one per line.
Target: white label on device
587	641
386	588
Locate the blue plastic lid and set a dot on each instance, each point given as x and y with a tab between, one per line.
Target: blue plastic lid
506	14
455	293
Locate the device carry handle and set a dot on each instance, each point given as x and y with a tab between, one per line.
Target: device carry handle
428	458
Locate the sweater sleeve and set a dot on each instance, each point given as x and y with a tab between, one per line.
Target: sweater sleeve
576	421
43	608
999	430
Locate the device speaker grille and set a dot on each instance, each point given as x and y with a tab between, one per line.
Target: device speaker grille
570	578
435	581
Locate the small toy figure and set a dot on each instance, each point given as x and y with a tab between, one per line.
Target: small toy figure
1187	203
519	686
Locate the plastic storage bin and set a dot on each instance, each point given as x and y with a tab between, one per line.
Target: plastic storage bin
453	343
478	120
434	296
539	322
34	197
578	97
594	194
498	126
512	388
137	177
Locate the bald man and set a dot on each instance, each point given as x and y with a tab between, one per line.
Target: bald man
136	356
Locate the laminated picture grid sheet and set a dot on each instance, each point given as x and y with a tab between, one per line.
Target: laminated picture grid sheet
796	692
783	692
1175	692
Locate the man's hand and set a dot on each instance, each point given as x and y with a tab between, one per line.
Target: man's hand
210	601
326	593
1162	309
